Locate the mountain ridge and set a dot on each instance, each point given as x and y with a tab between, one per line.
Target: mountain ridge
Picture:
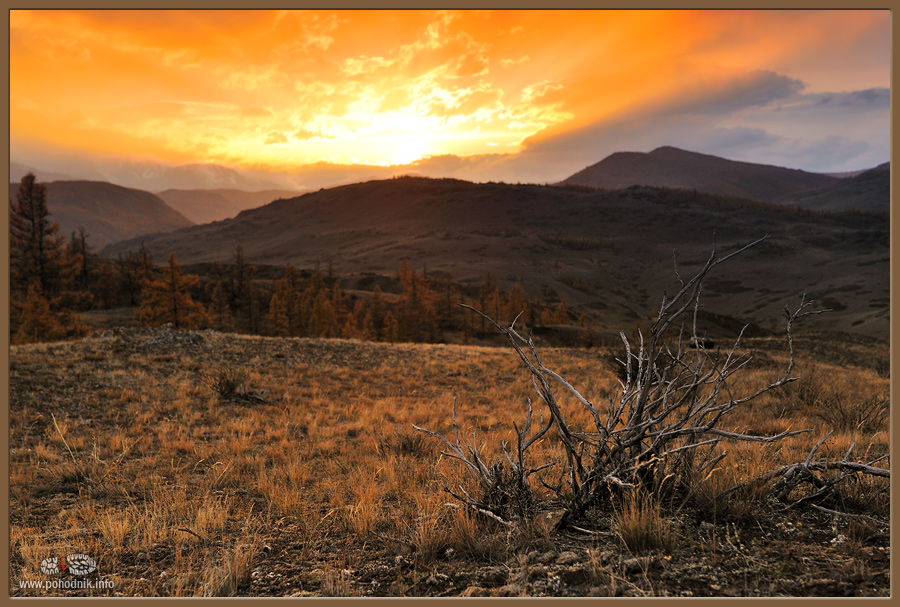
669	166
108	212
608	252
209	205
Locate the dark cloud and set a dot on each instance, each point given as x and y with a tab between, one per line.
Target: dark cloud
753	89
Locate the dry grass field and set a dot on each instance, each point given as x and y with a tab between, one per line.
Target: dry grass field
200	463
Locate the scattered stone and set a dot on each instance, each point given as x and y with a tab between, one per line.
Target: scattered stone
549	520
436	579
607	556
637	564
475	591
574	576
547	558
567	558
509	590
492	576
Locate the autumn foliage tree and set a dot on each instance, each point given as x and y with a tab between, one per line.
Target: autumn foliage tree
42	272
168	300
285	315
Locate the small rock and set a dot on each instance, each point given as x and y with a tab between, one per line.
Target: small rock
637	564
303	593
567	558
492	576
509	590
538	571
435	579
574	576
549	520
546	558
475	591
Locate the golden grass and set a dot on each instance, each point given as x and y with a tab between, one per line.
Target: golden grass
333	454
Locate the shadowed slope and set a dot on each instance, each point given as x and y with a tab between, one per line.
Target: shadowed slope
608	252
107	212
675	168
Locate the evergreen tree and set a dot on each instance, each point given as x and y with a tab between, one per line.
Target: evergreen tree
38	257
37	322
80	251
106	292
133	270
36	250
220	317
516	304
168	300
285	316
242	290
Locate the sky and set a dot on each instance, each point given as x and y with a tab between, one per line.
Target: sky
308	98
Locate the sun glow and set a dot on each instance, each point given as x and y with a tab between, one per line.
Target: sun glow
289	88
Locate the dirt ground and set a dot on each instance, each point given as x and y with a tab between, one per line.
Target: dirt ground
796	553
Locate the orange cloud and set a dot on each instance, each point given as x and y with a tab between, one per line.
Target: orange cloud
290	88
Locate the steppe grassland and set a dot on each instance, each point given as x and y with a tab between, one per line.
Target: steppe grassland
119	446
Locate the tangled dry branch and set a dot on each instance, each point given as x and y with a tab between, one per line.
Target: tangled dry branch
658	432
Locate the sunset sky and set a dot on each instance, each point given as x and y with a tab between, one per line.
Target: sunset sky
305	97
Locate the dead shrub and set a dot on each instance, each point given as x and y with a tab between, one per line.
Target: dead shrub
230	384
844	413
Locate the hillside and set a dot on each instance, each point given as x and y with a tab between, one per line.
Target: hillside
675	168
107	212
869	191
608	253
311	481
206	206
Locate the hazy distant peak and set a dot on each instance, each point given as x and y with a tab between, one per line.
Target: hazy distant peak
668	166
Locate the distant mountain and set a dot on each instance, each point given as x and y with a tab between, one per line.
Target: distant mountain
868	191
206	206
151	176
675	168
155	177
17	171
608	252
108	212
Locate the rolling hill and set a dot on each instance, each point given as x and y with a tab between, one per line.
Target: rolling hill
870	191
206	206
675	168
108	212
608	252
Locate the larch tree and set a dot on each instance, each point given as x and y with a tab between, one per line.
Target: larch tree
37	322
38	257
168	300
285	316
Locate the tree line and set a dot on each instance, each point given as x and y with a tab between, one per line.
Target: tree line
313	304
53	279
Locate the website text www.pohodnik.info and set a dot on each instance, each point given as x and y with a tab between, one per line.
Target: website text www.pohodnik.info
66	584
